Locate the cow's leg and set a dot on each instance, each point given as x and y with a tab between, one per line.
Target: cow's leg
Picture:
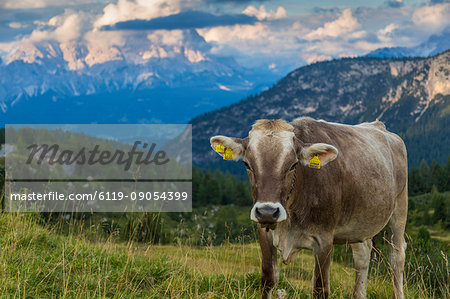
269	277
361	257
397	243
321	278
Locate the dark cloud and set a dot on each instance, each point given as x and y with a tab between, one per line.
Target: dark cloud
321	10
432	2
395	3
183	20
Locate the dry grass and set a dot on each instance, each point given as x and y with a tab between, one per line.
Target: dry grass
37	262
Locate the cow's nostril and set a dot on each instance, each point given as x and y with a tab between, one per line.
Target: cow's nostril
276	215
258	214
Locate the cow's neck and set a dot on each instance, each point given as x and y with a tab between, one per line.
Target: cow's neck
289	241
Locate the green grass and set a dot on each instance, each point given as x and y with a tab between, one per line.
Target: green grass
38	262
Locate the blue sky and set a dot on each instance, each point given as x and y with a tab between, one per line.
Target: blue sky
256	33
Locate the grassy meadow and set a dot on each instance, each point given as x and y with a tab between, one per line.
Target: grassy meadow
209	253
42	261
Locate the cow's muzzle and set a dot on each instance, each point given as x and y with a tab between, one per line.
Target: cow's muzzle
268	213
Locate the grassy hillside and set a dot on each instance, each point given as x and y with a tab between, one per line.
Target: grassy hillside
209	253
37	261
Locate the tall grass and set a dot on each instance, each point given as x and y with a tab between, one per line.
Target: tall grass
60	261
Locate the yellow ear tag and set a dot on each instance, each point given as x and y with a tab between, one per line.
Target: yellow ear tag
228	155
220	148
314	162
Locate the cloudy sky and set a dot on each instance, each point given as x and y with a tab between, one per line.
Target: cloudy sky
256	33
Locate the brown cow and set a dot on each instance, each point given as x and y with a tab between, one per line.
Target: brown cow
349	199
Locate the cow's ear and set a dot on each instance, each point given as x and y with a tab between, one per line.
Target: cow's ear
222	144
324	152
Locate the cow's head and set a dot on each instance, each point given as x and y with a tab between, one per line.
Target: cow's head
271	153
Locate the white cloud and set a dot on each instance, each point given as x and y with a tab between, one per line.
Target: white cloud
166	37
262	14
7	47
126	10
276	40
56	21
386	34
260	37
357	34
67	28
314	57
20	4
235	34
344	37
105	38
223	87
433	17
363	46
343	25
281	42
16	25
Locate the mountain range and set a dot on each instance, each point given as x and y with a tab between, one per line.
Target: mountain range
435	44
140	81
151	82
410	95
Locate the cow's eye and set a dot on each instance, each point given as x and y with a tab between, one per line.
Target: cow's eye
293	166
247	166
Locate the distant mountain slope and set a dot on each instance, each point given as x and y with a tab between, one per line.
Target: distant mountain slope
82	82
412	96
434	45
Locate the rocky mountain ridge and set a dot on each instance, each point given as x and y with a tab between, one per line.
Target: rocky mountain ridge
74	72
410	95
